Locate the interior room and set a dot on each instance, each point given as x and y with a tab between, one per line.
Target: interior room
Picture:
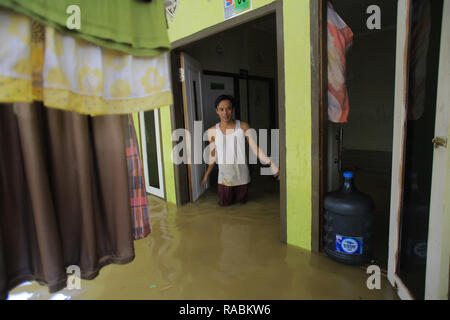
364	144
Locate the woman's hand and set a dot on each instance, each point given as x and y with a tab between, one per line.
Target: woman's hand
205	180
277	175
275	171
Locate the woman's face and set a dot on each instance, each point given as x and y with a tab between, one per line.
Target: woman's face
225	110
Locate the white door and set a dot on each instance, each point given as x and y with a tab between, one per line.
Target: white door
193	116
437	275
151	152
418	264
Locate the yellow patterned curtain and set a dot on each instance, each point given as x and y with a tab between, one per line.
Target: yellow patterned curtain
39	63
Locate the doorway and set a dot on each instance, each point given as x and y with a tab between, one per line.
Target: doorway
242	60
363	143
391	159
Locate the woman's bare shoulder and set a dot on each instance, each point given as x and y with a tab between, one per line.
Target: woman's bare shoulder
244	125
212	133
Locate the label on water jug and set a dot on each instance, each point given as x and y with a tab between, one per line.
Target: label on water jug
349	245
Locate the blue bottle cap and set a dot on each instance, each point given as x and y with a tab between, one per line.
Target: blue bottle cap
349	175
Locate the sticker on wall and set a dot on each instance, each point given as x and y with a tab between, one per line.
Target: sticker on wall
233	8
171	8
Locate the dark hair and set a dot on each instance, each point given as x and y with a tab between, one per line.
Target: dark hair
224	97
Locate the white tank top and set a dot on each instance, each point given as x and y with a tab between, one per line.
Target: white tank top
230	151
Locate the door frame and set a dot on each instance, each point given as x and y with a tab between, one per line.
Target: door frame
319	101
274	8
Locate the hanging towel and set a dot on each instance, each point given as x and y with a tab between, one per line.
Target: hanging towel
340	38
135	27
138	196
39	63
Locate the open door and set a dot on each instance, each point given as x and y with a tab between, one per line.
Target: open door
418	263
191	78
151	152
438	264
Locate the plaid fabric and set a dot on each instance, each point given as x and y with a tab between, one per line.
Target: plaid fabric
138	195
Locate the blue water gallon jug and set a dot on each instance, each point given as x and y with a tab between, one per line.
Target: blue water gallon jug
348	224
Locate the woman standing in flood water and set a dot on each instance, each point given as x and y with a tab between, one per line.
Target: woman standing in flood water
227	145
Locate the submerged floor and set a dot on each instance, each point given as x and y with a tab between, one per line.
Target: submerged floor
203	251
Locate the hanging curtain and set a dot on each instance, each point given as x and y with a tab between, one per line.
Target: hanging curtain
136	27
38	63
340	38
71	185
64	195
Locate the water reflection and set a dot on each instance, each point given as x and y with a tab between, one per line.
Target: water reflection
203	251
21	296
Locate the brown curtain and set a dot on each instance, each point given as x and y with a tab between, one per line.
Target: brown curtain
64	197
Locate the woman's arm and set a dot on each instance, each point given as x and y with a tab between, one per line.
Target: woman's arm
259	153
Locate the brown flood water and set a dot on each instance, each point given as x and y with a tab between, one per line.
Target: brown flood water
203	251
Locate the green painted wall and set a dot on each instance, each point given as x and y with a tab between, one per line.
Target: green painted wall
193	16
166	137
298	121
